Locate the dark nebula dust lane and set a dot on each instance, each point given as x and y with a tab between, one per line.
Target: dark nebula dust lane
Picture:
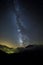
21	21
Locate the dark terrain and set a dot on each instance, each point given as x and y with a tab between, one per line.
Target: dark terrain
32	52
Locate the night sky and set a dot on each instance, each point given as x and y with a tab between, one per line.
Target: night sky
21	21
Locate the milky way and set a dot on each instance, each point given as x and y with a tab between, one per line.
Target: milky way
20	27
21	22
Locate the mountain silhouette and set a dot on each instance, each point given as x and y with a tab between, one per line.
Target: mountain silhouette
34	52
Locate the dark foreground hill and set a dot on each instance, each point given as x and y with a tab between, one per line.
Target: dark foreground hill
30	53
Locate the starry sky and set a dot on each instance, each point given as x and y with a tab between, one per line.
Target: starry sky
21	21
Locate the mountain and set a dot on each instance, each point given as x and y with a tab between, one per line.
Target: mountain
10	50
27	54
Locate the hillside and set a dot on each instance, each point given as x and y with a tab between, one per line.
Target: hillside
10	50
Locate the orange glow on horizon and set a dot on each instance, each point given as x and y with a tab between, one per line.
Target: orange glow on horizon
9	44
